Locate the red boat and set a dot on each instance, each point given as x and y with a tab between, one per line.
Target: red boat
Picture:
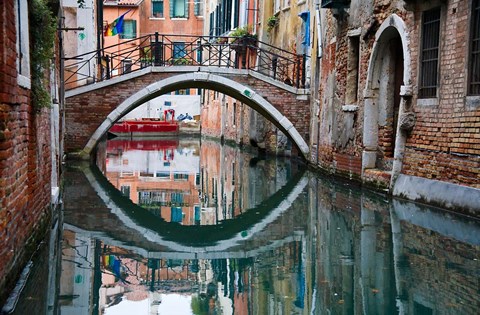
146	126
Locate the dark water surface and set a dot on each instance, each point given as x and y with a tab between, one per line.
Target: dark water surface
183	226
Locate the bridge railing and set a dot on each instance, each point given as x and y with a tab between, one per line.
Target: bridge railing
177	50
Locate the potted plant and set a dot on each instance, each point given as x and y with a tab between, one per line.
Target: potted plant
243	36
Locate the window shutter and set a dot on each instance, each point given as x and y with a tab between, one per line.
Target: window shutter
187	4
172	6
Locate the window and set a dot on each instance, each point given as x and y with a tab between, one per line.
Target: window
286	4
23	48
429	54
129	29
276	7
351	94
127	65
178	9
474	58
179	50
157	8
182	92
198	7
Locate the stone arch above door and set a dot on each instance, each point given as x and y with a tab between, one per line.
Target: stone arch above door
378	95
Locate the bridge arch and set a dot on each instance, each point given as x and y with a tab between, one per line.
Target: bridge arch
205	80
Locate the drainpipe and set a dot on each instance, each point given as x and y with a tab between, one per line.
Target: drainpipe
99	31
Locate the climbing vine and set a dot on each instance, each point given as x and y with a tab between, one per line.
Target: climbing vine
42	42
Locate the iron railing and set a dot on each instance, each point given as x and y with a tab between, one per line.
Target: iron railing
177	50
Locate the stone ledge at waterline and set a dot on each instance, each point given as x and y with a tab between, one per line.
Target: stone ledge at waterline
458	198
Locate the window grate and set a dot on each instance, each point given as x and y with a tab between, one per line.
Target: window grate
429	53
474	75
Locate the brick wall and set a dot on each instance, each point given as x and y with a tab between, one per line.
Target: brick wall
445	143
25	164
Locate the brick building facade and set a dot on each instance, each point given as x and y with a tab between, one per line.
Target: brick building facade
29	148
397	104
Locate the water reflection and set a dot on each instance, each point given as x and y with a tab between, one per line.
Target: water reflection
181	181
287	242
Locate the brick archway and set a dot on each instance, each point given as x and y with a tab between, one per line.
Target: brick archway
92	110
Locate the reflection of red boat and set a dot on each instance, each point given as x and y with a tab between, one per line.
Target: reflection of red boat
124	145
146	126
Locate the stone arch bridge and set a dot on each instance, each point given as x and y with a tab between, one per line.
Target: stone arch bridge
91	109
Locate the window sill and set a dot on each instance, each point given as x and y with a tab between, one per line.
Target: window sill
285	9
427	101
179	19
24	81
472	101
157	18
301	2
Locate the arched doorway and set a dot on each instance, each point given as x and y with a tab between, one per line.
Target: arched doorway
386	92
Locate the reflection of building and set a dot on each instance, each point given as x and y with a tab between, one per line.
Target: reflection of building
183	182
77	279
230	180
163	179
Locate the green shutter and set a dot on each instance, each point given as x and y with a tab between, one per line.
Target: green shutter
186	8
172	5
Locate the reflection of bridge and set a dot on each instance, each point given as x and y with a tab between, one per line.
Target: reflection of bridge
254	228
266	78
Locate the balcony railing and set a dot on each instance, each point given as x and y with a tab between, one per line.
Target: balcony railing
161	50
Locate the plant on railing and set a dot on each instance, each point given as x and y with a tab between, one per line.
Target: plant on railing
241	33
272	22
146	57
42	35
181	61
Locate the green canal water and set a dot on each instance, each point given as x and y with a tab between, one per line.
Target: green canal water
190	226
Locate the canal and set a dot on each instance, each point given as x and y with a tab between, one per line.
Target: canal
191	226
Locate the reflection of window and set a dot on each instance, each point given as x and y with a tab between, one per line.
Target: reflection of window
421	309
125	191
178	9
176	198
177	214
129	29
234	114
180	176
157	8
197	213
163	174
